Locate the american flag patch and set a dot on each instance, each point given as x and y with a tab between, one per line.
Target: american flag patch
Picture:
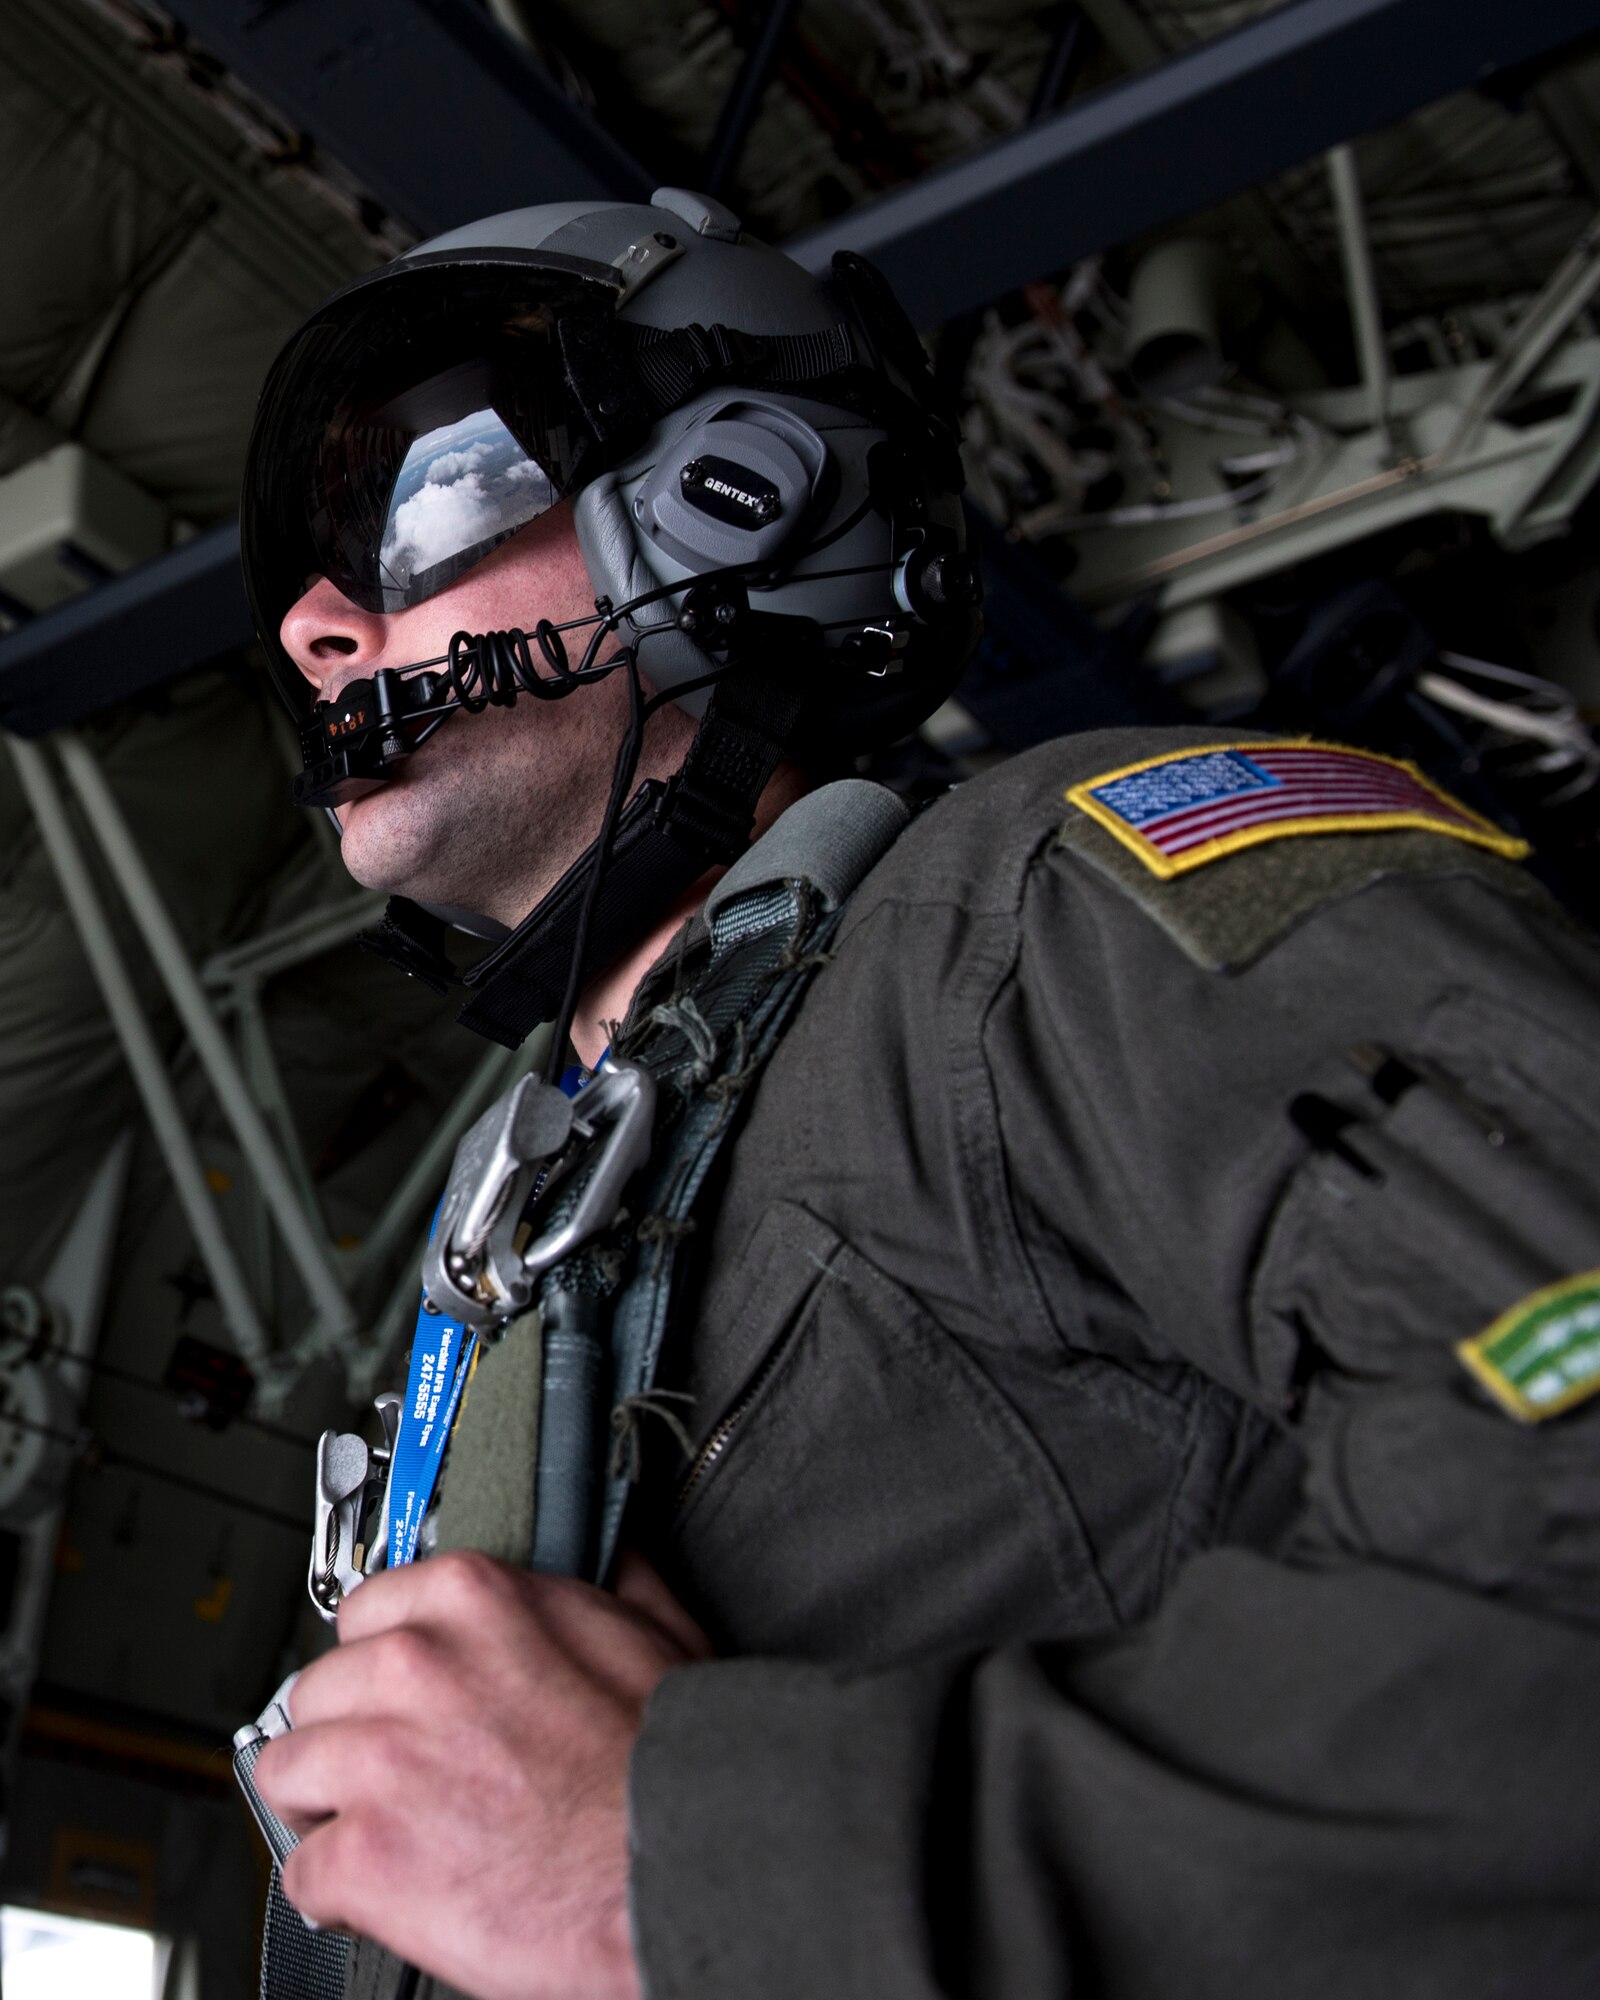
1193	806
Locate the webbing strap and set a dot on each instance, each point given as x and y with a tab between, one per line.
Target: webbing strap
521	982
746	998
711	803
705	1027
413	940
486	1491
769	944
625	378
298	1963
704	1047
665	840
673	363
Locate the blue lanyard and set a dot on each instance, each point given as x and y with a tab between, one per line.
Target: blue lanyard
441	1360
441	1355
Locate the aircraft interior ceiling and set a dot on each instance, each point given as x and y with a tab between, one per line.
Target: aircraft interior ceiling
1289	457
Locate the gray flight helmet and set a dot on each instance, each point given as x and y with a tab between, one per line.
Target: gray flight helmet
736	413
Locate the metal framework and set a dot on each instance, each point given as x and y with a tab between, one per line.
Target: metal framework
1179	137
159	620
1514	441
434	109
52	1385
744	100
1171	139
350	1317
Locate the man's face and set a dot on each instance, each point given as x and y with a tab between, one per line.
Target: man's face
493	809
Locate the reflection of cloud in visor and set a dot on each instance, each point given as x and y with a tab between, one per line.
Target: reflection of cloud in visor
461	490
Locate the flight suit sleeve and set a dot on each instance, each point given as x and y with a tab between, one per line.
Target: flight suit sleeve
1345	1164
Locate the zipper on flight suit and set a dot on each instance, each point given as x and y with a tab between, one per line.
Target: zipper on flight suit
722	1435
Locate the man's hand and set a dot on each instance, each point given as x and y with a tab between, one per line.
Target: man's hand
458	1771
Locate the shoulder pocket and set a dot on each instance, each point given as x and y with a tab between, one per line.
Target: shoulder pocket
1415	1226
1463	1178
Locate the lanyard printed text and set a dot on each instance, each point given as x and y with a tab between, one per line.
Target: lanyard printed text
441	1354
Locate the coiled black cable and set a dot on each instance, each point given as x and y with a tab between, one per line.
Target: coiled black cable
485	668
495	667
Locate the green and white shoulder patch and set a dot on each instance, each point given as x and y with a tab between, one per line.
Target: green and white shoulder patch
1543	1355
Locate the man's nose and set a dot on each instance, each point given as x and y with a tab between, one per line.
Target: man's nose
331	640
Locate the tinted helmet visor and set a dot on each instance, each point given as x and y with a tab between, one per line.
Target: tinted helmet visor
406	432
410	492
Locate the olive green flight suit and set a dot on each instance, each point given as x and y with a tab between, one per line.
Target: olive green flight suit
1127	1588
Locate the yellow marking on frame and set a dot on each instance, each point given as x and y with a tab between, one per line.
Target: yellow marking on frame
1479	832
213	1608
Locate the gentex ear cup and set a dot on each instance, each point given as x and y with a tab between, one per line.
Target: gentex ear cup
736	487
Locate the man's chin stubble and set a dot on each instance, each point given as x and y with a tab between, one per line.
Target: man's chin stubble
427	836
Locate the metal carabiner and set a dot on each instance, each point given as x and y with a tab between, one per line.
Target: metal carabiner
388	1407
343	1463
475	1268
347	1472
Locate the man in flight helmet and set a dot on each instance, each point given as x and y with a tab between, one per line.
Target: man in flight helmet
1031	1428
642	399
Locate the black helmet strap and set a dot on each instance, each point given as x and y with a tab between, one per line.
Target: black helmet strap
667	837
625	378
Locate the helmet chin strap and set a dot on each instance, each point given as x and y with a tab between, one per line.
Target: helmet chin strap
665	839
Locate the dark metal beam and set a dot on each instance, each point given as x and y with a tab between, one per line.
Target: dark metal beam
443	118
435	110
1179	137
1069	35
1044	668
738	114
158	620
